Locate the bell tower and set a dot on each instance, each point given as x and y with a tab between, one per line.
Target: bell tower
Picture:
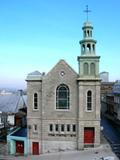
89	89
88	61
88	43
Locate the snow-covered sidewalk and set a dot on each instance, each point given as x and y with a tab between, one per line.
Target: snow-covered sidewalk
99	153
104	151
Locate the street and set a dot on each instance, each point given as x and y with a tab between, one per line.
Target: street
112	134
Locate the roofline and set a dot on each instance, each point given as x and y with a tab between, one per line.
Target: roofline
62	60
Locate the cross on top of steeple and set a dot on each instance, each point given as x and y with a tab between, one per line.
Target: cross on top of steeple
87	11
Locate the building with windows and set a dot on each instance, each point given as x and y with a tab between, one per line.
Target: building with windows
64	106
106	90
13	109
111	103
104	76
10	106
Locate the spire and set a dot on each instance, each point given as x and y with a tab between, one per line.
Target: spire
88	43
87	11
88	61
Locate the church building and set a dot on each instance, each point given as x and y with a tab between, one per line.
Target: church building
64	106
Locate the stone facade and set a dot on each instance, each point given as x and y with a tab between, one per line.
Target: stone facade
64	106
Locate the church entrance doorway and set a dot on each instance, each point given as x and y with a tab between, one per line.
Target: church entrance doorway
20	147
89	136
35	148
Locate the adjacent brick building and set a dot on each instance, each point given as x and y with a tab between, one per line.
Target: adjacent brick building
64	106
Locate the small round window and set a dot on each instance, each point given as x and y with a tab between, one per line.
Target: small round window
62	73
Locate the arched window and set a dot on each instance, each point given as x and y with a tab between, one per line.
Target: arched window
92	69
62	97
35	99
87	33
88	47
84	34
89	101
85	68
93	46
83	48
91	33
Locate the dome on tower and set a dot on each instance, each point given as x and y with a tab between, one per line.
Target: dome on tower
87	25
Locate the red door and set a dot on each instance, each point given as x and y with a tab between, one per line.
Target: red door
35	148
20	147
88	135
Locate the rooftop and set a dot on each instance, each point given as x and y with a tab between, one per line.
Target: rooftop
20	133
36	75
11	103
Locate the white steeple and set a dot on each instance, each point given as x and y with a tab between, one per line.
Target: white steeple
88	60
88	43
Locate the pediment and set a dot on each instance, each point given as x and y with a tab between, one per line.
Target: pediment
62	67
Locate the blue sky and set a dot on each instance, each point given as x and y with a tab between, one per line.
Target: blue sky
35	34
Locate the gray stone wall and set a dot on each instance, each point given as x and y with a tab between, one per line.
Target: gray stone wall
47	113
94	114
52	80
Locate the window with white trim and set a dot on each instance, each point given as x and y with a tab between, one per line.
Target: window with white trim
68	127
62	128
62	97
74	128
89	100
56	127
51	127
35	128
35	101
